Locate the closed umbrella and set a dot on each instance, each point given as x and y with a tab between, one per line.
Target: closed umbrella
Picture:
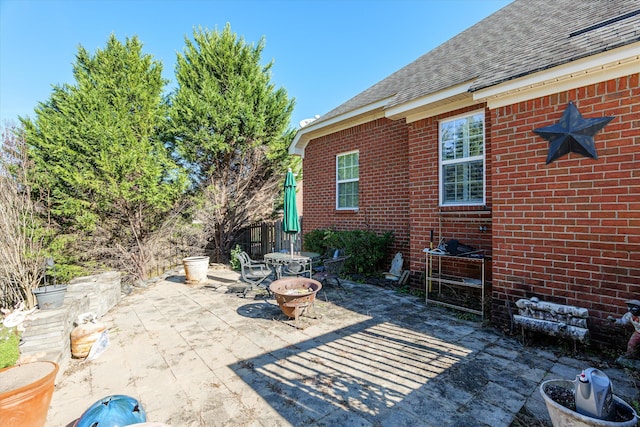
290	223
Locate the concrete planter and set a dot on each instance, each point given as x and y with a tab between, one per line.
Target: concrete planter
562	416
25	393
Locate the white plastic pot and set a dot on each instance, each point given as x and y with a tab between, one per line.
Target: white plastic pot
195	269
50	297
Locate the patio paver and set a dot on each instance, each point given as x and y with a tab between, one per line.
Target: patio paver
201	356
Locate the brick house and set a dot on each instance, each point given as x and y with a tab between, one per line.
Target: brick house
447	143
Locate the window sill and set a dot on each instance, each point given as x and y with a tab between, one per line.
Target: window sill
346	211
458	211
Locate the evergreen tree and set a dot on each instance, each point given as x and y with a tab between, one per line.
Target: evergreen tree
230	127
99	155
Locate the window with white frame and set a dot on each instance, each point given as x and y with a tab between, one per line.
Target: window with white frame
347	180
462	160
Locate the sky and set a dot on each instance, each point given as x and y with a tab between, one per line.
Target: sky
324	51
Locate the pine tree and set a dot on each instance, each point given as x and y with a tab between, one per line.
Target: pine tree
230	127
99	154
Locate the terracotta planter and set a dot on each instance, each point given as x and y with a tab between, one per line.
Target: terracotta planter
50	297
195	269
25	393
295	294
562	416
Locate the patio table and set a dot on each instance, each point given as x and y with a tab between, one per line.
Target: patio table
277	259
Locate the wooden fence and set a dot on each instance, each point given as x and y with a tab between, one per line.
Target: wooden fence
256	240
266	237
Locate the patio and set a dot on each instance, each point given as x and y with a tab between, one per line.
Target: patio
202	356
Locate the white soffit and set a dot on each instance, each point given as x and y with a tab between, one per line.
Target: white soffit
439	102
594	69
335	124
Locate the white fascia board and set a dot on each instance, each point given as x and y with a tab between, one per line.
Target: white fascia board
594	69
451	105
425	103
352	118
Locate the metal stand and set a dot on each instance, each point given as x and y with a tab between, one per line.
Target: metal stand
437	278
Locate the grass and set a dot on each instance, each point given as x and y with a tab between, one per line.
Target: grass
9	351
635	374
406	289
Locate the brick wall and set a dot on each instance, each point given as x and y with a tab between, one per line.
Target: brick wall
568	232
459	222
384	181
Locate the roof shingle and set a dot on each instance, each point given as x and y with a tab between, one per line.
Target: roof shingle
523	37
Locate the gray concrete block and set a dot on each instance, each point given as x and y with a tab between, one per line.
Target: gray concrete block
47	332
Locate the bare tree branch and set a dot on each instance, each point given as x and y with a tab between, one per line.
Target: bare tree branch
21	234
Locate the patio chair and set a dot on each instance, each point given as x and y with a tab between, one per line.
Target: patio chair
297	267
332	269
330	254
253	272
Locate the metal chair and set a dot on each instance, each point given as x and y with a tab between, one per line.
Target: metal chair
332	269
331	253
297	267
253	272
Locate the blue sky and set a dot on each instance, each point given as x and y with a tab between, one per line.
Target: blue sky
324	51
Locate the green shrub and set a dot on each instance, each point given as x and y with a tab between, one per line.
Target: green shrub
318	240
367	250
235	264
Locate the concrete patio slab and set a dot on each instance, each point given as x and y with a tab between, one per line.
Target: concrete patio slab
203	356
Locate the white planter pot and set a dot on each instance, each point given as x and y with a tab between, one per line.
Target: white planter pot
195	269
562	416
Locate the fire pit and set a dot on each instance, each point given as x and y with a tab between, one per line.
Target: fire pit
295	295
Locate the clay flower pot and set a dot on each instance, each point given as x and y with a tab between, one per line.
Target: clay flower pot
25	393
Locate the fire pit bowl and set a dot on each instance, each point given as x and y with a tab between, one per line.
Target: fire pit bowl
295	294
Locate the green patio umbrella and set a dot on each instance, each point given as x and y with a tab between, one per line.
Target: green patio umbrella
290	223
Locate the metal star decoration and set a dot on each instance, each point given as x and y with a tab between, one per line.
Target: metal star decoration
573	133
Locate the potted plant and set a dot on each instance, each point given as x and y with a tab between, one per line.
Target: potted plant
586	401
50	296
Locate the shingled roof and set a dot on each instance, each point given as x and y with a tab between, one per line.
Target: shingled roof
522	38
